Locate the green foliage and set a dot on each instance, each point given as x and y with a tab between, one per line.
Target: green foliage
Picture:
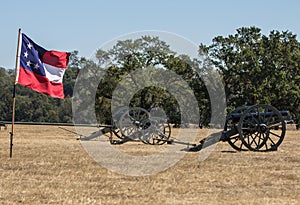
258	69
148	54
6	82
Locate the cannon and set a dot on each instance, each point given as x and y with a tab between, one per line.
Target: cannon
138	124
259	127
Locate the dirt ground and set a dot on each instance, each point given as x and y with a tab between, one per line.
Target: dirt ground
49	166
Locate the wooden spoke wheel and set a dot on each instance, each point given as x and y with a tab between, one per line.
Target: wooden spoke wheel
231	124
130	123
261	128
116	123
155	132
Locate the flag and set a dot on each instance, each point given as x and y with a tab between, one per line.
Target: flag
42	70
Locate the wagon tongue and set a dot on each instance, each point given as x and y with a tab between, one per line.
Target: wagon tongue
206	142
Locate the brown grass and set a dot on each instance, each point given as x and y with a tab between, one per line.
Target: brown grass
49	166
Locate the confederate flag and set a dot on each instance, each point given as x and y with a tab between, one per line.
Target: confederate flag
42	70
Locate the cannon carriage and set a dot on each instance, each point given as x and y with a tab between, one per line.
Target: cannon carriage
139	124
259	127
256	128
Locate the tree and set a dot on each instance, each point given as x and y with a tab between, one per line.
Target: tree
71	73
6	82
128	57
257	68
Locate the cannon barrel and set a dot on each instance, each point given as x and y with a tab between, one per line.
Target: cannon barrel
235	117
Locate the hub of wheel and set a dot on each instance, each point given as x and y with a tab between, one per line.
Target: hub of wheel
262	128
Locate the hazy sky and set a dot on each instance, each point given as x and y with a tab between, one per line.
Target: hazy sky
86	25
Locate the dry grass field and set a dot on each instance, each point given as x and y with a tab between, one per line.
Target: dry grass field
49	166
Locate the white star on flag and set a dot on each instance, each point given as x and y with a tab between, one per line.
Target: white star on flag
29	46
26	54
28	63
36	66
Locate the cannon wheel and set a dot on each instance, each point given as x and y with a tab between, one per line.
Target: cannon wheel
155	132
131	122
262	128
234	141
115	131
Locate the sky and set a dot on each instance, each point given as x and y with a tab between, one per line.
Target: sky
85	26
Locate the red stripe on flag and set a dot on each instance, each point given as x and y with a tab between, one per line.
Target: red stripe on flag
40	83
56	58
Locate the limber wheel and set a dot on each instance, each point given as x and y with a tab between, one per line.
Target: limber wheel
231	124
262	128
130	123
155	132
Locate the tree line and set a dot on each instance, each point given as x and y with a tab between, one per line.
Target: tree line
255	68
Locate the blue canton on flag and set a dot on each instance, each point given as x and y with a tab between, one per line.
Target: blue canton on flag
31	55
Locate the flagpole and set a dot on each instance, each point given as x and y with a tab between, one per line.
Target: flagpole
14	91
